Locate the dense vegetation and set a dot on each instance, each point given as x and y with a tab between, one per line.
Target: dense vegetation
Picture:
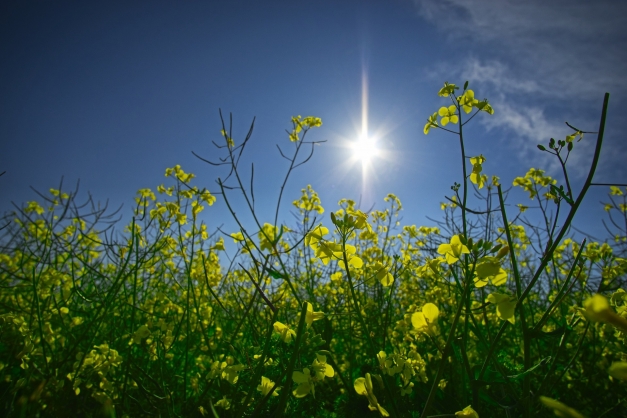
492	312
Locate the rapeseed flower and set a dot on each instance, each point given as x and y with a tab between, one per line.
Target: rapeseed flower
305	383
321	368
286	333
431	122
447	89
141	333
467	100
266	386
224	403
454	250
476	177
363	386
306	380
505	305
489	269
618	370
467	412
597	308
312	316
448	115
316	235
383	275
425	321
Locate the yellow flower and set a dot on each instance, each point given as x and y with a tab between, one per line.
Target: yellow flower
467	412
597	308
267	385
237	237
321	369
618	370
476	177
434	264
286	332
141	333
34	207
299	124
559	408
309	201
571	137
312	122
315	236
311	316
489	269
383	275
359	220
230	373
224	403
448	115
268	235
305	383
431	122
332	250
467	100
615	191
363	386
454	250
505	305
306	380
447	89
219	245
425	321
229	140
407	389
485	106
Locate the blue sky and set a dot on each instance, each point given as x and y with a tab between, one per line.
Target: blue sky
112	93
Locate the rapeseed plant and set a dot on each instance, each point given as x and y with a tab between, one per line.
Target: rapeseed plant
478	315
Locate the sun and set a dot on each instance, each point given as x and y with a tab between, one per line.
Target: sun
364	149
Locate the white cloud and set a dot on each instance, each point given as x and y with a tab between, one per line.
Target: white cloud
497	74
572	48
531	125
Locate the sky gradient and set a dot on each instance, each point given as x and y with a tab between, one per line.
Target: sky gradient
113	93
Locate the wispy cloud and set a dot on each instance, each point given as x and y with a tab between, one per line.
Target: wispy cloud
572	48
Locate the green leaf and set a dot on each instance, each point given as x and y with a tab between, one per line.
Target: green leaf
275	274
276	240
560	191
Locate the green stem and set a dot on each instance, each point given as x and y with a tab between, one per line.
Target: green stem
523	319
465	191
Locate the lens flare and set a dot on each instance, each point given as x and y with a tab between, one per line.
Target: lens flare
364	149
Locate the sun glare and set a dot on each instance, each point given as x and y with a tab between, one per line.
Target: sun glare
364	149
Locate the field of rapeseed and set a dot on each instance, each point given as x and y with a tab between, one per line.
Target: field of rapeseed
486	314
